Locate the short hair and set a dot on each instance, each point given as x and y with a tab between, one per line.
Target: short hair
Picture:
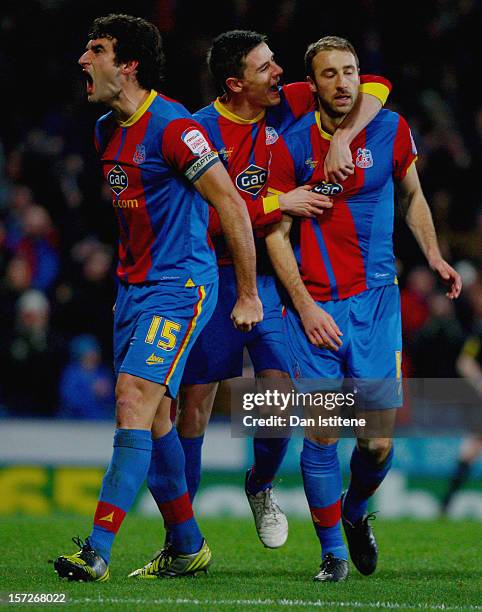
228	52
328	43
134	39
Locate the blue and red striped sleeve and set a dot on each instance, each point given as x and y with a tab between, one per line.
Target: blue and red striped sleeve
187	148
404	150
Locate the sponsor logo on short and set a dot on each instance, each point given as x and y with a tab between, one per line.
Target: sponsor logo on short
364	158
271	135
117	179
140	154
252	180
196	142
153	359
328	189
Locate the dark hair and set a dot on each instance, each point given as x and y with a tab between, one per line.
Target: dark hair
328	43
134	39
228	52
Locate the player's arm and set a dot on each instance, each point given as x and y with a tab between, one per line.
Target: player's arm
268	210
373	94
319	326
185	145
216	187
419	220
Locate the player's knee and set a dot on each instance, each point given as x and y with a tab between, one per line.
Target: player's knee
192	420
320	440
129	401
377	448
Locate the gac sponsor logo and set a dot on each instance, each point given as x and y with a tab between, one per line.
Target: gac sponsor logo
125	203
328	189
252	180
117	180
153	359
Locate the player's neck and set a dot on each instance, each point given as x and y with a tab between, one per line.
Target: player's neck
328	123
239	106
129	101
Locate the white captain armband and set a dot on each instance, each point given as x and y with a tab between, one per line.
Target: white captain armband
199	166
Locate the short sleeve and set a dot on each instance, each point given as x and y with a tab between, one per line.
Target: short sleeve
187	148
376	86
404	150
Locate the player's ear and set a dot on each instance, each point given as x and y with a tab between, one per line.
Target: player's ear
234	85
311	84
129	67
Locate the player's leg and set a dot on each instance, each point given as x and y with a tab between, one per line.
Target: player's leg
267	350
470	451
320	468
216	355
195	406
375	363
136	403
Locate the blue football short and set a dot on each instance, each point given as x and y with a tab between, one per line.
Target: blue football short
371	352
218	352
155	328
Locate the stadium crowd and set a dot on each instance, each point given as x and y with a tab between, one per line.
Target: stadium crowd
57	230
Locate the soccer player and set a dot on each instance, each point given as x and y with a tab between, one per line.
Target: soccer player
242	124
344	315
158	162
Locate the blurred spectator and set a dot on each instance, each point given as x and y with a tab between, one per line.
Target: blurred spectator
414	296
87	386
38	245
32	362
17	279
437	344
84	302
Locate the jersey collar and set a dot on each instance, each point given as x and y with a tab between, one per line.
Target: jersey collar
225	112
140	111
324	134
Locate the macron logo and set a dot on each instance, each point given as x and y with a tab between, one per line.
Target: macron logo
109	518
153	358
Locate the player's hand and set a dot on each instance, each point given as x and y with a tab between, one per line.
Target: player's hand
320	327
302	202
449	276
338	163
246	313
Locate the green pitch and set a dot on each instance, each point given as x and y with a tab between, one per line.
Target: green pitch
423	566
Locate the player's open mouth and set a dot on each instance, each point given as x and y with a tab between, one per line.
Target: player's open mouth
89	83
342	99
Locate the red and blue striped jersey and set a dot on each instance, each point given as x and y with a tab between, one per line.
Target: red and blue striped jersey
349	248
151	162
244	148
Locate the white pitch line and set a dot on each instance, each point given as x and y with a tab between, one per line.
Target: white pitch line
381	605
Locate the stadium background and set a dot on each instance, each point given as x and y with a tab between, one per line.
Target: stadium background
57	236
